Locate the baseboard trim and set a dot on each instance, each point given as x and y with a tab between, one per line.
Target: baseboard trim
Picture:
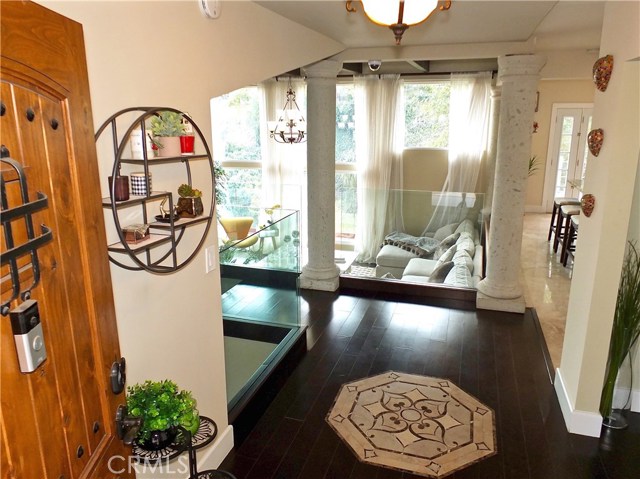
212	456
635	397
577	422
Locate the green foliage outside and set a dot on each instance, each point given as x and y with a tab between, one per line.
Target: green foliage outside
426	108
162	405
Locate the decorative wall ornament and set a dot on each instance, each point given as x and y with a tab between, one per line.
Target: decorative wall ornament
587	203
602	69
594	140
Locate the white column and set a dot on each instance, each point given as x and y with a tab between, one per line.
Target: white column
500	290
320	272
493	146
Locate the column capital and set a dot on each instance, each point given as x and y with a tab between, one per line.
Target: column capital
510	67
328	68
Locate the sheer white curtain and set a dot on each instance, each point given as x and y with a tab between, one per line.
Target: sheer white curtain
469	106
283	165
379	161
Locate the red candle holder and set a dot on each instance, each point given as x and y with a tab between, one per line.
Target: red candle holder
187	144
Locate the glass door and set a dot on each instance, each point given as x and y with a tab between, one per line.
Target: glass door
569	153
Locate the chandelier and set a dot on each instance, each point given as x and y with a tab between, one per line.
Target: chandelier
291	126
399	15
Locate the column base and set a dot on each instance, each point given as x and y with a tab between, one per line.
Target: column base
516	305
504	291
327	279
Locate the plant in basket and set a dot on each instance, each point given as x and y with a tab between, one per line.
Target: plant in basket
163	407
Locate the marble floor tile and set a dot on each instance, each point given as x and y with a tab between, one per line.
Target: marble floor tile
545	281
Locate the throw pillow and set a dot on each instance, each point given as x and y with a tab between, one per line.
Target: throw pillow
445	244
463	258
465	242
417	250
447	255
443	232
440	273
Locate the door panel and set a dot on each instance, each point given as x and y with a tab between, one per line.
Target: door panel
58	420
568	157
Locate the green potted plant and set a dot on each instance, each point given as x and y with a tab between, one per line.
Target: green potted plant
166	127
190	202
163	407
624	335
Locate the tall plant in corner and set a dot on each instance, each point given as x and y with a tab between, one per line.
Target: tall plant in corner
625	331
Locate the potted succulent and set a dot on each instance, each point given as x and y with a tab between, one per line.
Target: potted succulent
190	202
624	335
163	408
167	127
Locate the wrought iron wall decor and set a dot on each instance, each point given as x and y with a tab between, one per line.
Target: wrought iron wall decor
22	213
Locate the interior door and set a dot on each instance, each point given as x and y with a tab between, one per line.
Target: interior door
57	421
568	159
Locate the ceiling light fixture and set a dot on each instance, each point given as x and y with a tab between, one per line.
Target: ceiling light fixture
398	15
291	126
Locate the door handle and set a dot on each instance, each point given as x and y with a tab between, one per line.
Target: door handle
127	427
118	376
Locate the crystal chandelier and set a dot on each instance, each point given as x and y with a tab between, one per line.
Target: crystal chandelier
291	126
398	15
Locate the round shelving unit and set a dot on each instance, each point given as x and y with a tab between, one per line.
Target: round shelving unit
158	251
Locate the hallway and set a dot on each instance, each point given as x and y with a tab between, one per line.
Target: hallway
545	281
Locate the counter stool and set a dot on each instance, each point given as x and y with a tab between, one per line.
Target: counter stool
563	223
569	243
557	203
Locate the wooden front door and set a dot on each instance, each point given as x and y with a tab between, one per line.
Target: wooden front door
58	421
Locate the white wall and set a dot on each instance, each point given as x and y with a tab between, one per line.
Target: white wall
166	54
611	178
634	235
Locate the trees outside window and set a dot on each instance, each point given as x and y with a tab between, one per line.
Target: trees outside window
426	107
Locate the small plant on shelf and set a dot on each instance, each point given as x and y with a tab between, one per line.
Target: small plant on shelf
167	123
163	407
190	202
166	127
186	191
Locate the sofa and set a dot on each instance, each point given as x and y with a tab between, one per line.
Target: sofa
453	256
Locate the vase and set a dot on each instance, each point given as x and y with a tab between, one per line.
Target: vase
620	397
160	439
170	146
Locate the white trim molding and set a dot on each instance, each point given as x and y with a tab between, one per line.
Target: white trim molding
578	422
635	397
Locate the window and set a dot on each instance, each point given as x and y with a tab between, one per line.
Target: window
236	126
236	141
346	177
426	110
345	124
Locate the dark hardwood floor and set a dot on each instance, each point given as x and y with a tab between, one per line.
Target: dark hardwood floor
497	357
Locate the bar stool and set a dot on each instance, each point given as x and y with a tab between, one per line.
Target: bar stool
563	223
569	243
557	203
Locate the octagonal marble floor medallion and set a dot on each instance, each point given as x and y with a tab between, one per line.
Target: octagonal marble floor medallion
427	426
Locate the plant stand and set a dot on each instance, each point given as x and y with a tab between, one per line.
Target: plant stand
207	432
